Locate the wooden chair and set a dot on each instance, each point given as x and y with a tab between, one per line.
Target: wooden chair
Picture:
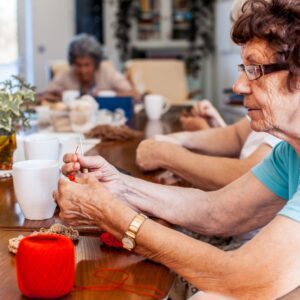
57	66
166	77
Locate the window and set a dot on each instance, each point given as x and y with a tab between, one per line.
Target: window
8	39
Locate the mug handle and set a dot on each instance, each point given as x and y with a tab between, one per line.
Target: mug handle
167	106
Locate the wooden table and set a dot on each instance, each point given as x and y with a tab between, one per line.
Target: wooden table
90	254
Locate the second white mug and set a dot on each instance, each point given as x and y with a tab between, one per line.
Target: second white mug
42	146
155	106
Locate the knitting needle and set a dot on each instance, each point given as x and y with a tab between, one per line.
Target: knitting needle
84	170
71	176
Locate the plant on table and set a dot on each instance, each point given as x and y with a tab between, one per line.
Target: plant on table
15	98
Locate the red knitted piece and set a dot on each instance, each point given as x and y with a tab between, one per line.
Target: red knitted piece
45	266
110	240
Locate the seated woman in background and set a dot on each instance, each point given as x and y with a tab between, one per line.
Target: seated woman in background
89	73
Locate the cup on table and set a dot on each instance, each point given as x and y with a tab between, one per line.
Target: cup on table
43	114
155	106
41	146
107	93
153	127
70	95
34	183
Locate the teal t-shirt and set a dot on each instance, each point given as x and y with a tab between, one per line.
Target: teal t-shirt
280	173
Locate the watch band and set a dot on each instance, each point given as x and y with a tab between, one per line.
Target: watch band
133	229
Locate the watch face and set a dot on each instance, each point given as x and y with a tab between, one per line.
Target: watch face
128	242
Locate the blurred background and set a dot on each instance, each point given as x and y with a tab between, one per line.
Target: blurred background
36	33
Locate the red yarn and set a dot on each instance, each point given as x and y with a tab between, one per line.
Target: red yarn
45	266
110	240
71	177
138	289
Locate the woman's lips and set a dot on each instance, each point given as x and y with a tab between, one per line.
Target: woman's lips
252	112
251	108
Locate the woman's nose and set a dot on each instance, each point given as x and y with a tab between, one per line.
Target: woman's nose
242	85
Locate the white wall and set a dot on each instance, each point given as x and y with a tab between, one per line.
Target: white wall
227	59
227	53
110	10
50	25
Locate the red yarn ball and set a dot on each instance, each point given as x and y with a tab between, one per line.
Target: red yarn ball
110	240
45	266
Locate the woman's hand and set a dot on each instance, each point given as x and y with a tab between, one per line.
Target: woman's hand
99	168
194	123
88	202
152	155
207	111
79	203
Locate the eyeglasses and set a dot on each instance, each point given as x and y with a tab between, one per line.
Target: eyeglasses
254	72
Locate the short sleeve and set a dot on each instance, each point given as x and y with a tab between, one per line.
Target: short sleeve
113	78
271	140
273	171
292	208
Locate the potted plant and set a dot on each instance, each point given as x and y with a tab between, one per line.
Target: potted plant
15	97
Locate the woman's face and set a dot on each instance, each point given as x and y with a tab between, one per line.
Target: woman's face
85	69
271	106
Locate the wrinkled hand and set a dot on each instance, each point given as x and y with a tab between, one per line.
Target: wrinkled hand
194	123
206	110
80	204
99	168
151	154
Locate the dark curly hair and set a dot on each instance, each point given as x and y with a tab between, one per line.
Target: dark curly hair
278	23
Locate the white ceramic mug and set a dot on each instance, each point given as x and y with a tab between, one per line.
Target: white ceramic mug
44	114
70	95
155	106
153	127
42	146
34	183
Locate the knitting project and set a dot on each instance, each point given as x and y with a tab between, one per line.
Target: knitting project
13	243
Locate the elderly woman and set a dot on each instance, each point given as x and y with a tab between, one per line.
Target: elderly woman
89	73
268	266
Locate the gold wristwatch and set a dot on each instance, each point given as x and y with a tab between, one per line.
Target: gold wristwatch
128	239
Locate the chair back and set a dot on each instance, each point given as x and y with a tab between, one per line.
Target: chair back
166	77
58	66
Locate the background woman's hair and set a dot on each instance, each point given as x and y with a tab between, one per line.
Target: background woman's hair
278	23
83	45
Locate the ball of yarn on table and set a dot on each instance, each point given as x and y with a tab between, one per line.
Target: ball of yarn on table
45	266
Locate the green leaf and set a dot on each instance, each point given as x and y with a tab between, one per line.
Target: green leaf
15	93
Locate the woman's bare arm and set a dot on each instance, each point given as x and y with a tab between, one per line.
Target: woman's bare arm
227	141
229	211
203	171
